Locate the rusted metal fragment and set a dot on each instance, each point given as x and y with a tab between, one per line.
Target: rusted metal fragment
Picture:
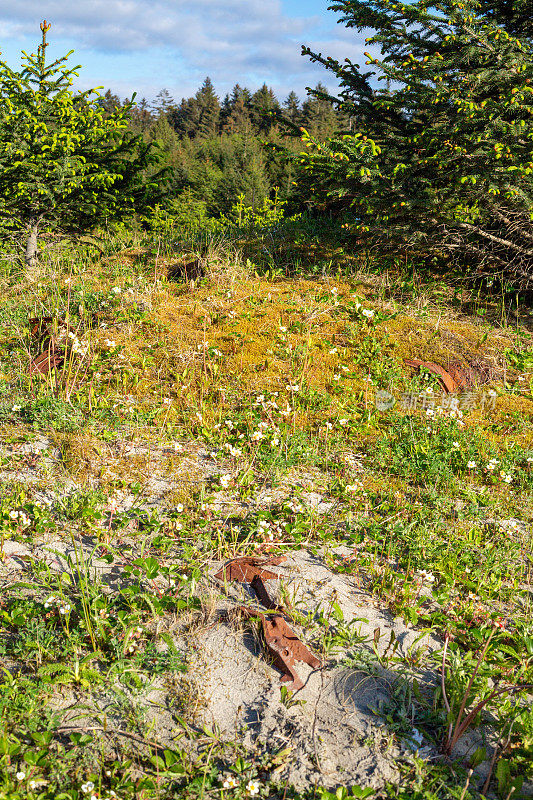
287	648
284	647
51	356
263	596
41	326
448	383
46	362
246	568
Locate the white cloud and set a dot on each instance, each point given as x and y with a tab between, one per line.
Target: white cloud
250	41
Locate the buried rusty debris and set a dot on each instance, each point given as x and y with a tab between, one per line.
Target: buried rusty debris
51	356
449	384
246	568
46	362
283	644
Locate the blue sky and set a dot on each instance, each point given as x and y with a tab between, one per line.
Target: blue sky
147	45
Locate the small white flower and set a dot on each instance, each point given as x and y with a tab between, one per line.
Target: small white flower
426	576
333	351
492	393
471	465
20	776
343	422
116	289
65	609
368	313
253	788
110	343
283	329
430	412
167	401
230	782
225	481
16	408
328	426
179	508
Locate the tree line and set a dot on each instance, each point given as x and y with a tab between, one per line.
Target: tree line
437	160
215	149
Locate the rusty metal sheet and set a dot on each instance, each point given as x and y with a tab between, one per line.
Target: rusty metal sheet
246	568
50	355
263	596
448	383
284	647
287	648
46	362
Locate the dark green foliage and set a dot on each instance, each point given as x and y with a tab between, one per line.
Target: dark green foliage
67	160
441	156
217	169
215	151
318	114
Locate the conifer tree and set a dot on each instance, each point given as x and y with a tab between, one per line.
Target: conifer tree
318	114
163	103
65	165
208	110
238	119
140	115
109	101
264	108
292	108
441	157
184	118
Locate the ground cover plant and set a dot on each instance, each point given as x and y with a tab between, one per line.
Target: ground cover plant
265	505
251	413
